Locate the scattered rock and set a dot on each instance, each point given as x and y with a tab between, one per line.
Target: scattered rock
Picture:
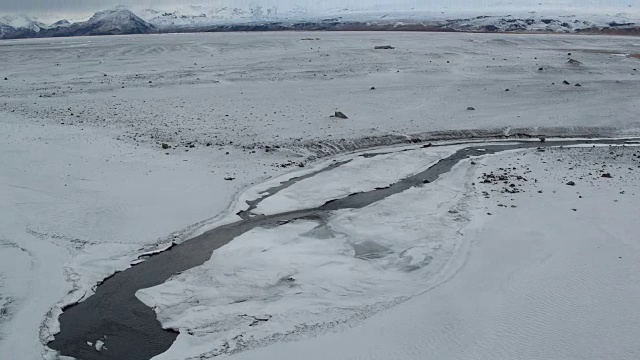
607	175
542	139
229	178
427	145
566	82
541	69
340	114
258	320
100	345
6	79
571	183
471	108
574	62
384	47
373	88
165	146
507	90
578	85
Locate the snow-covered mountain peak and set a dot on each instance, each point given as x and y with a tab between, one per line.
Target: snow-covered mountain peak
117	15
114	21
21	22
61	23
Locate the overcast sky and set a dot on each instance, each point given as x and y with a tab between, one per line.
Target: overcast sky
35	7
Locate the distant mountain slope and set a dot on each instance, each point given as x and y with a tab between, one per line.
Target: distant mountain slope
237	10
531	23
199	15
61	23
19	26
122	21
383	17
539	23
110	22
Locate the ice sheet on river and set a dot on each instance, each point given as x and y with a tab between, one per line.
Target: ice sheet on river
360	174
552	262
309	276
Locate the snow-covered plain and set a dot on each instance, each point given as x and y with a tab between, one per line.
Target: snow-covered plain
277	89
85	185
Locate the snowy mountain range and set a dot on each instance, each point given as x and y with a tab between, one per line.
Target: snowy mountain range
120	21
19	26
108	22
